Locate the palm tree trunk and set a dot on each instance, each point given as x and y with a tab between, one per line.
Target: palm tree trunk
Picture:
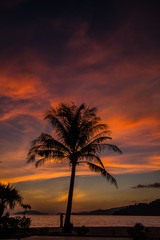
2	207
67	224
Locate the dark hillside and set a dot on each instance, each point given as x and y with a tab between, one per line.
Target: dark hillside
141	209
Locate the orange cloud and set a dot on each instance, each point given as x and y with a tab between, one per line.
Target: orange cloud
113	71
19	85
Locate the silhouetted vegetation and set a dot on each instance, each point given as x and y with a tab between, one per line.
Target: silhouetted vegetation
12	226
81	230
25	206
9	197
138	232
80	139
141	209
15	223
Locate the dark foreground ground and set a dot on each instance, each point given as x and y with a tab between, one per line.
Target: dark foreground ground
94	233
69	238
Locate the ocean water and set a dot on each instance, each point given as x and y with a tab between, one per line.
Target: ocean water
95	220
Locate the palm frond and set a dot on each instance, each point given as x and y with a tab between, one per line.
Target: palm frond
25	206
53	118
55	156
112	147
88	131
82	107
101	127
46	155
101	134
42	138
47	147
90	112
31	158
40	162
66	112
46	141
103	172
92	157
95	145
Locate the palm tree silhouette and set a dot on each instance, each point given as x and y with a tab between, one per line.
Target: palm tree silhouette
25	206
80	138
9	197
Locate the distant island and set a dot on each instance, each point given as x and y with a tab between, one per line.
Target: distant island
31	212
110	211
140	209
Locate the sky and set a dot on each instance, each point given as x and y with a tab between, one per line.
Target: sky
102	53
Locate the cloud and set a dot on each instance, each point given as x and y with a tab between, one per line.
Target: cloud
106	55
90	192
62	198
154	185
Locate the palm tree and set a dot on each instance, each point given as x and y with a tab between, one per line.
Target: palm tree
80	138
9	197
25	206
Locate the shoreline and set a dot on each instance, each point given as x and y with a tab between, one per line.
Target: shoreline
93	232
154	232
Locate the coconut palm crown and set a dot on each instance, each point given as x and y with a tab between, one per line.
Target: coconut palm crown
9	197
80	138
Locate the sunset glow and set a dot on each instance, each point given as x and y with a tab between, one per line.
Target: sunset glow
103	55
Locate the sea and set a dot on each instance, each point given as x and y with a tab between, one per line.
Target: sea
95	220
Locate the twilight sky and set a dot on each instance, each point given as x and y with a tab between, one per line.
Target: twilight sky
103	53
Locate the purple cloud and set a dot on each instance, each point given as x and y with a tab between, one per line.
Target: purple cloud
154	185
